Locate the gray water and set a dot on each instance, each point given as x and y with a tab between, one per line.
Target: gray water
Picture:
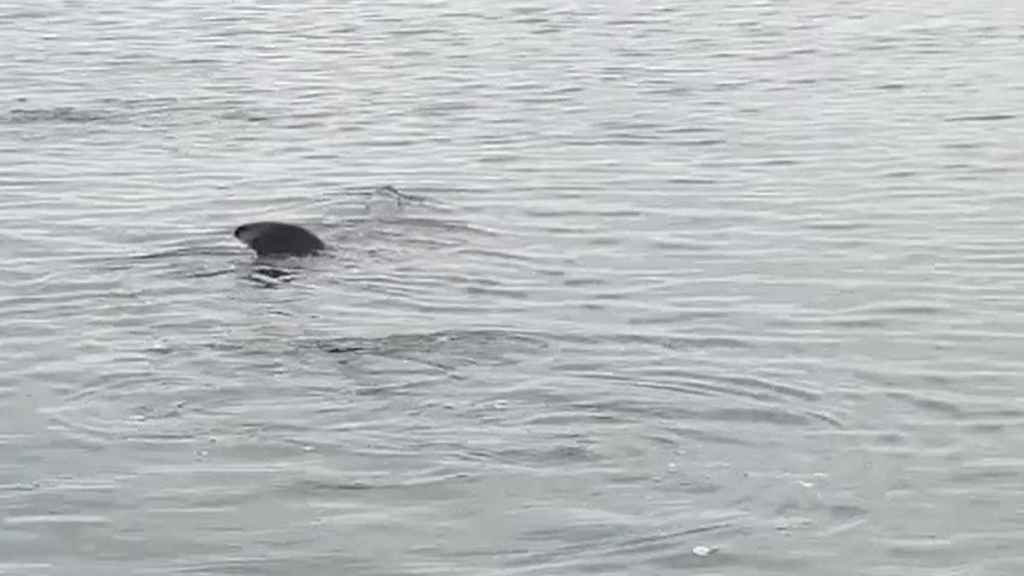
718	288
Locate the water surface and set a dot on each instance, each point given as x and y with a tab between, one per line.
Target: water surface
722	288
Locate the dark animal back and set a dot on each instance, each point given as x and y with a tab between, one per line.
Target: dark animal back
287	239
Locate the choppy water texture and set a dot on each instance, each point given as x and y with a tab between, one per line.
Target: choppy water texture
707	288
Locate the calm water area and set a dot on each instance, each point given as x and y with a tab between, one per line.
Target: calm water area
715	287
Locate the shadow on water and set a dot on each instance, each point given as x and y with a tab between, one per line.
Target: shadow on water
456	347
131	111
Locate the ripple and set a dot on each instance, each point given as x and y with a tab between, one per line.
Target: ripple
59	114
982	118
